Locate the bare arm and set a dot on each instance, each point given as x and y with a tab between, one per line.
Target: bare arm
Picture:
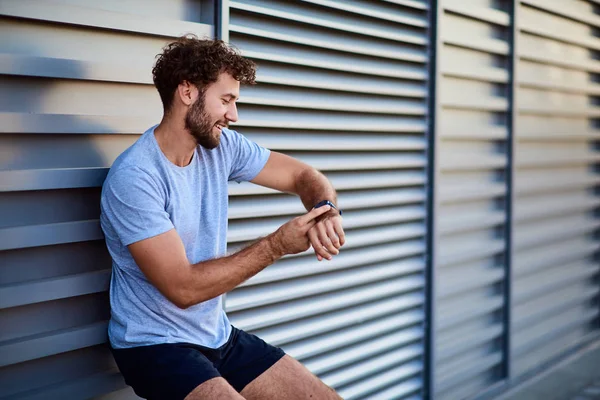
287	174
163	260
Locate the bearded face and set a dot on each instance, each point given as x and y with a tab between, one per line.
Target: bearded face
203	127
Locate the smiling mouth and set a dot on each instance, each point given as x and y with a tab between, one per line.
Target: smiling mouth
220	126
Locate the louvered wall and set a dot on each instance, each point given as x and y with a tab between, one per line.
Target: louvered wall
556	185
342	86
76	91
470	191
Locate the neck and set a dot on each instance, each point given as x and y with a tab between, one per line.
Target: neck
174	140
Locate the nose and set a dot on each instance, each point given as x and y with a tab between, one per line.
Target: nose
232	114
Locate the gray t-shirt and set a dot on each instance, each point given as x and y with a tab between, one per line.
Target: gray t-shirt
145	195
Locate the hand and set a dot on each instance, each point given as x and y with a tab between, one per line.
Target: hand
327	235
291	238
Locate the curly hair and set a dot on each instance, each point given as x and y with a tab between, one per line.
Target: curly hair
200	62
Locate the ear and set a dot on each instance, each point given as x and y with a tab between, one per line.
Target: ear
187	93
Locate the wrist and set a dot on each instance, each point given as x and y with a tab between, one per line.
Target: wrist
275	246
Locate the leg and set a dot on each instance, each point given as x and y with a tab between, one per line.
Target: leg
216	388
287	379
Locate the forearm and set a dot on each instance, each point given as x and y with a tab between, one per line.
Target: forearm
313	187
212	278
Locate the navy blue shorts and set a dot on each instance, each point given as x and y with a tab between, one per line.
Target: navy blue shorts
172	371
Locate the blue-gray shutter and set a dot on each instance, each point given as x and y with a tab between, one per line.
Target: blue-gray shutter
556	225
75	91
342	86
472	132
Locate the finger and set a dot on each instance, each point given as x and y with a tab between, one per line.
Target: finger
313	236
337	227
332	235
325	241
314	213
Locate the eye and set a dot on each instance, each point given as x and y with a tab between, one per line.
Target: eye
225	101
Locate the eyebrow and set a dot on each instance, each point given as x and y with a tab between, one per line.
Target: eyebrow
231	96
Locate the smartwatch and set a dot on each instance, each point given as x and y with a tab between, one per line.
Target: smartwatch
327	203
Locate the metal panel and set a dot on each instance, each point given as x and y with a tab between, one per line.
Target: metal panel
76	91
342	86
471	168
556	180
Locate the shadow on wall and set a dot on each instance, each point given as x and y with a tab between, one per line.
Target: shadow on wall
53	259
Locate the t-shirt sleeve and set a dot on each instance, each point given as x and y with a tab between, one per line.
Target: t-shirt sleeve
247	157
134	206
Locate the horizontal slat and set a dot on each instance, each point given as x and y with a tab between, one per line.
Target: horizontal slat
562	137
55	178
546	58
394	322
456	317
451	225
338	64
53	289
320	100
48	344
362	386
469	252
338	42
550	329
552	230
528	261
553	207
529	187
373	11
448	347
297	334
294	75
44	235
353	25
479	13
281	313
468	162
400	390
455	284
47	67
250	297
296	267
562	36
390	360
548	304
561	111
590	89
367	349
98	18
467	371
476	72
466	193
92	385
77	124
488	45
550	280
484	104
562	9
300	119
475	134
418	4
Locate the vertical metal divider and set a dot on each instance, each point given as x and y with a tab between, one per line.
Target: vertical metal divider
433	105
222	20
510	149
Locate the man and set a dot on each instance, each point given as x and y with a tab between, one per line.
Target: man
164	215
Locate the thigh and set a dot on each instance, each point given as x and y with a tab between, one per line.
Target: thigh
287	379
216	388
165	371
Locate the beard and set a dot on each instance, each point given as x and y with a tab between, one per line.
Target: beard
200	126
